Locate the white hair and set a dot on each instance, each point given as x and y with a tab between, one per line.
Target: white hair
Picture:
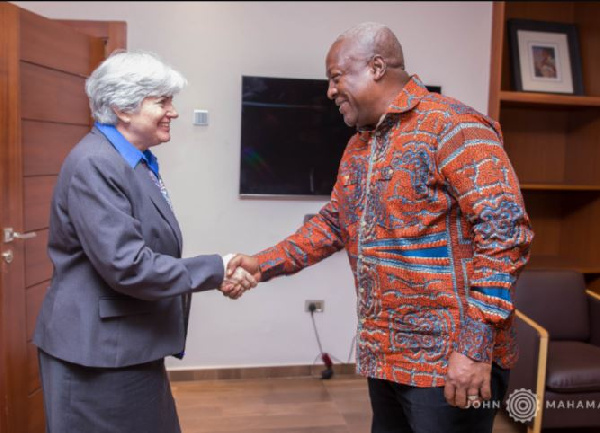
124	79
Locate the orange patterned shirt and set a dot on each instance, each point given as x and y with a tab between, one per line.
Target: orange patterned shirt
430	212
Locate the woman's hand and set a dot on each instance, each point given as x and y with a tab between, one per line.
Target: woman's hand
237	281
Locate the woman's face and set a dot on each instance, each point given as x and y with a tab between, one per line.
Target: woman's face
151	124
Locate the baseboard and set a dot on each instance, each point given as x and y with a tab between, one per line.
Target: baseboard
260	372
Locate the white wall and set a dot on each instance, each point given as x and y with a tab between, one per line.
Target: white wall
213	44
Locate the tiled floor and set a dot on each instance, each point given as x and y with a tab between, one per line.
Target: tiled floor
295	405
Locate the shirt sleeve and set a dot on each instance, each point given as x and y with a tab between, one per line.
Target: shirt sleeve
317	239
480	177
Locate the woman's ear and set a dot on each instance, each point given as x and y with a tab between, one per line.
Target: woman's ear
379	66
122	116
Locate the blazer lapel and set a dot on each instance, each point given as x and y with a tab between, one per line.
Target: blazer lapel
143	174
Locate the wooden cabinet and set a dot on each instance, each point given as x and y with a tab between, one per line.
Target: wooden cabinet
553	141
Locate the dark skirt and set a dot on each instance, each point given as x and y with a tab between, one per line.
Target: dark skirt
107	400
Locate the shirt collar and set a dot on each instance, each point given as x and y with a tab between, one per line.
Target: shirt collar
408	98
128	151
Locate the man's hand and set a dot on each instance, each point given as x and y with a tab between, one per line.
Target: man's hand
467	381
237	283
242	273
249	263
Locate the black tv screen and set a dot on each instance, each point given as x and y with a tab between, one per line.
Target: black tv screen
292	137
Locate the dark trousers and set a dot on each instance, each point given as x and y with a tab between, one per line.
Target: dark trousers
407	409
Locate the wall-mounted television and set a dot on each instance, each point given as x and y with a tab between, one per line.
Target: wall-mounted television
292	138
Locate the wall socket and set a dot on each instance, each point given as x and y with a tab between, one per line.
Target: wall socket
319	304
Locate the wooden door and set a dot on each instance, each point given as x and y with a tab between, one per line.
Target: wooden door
43	113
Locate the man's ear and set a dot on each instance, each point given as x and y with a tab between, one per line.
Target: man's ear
379	67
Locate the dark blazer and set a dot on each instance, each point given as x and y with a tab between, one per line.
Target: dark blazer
119	289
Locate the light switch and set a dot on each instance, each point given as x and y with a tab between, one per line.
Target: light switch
201	117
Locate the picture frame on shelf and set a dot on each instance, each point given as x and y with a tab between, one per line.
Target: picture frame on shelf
545	57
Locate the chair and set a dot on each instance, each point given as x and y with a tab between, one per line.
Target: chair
558	332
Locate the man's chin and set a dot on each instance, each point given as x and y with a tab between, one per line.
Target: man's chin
350	122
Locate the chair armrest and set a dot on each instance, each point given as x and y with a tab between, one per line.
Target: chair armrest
530	371
594	303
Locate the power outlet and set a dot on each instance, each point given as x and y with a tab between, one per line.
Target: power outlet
319	305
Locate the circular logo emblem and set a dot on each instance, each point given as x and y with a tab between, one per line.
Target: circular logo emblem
522	405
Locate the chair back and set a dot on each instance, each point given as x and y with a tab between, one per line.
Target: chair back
555	300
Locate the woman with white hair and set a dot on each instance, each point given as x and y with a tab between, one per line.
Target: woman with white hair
120	293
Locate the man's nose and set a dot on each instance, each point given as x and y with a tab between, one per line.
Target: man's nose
331	92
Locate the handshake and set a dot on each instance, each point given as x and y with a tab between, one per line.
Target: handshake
241	273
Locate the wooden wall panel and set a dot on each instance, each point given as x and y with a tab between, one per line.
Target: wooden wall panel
35	297
38	267
37	197
53	45
53	96
45	145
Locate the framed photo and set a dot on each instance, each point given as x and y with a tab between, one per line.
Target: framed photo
545	57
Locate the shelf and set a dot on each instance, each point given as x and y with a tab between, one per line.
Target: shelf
552	140
562	263
548	99
558	187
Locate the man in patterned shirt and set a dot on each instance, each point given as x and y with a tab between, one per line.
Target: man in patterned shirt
429	209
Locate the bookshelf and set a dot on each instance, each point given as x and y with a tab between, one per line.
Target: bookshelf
553	141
